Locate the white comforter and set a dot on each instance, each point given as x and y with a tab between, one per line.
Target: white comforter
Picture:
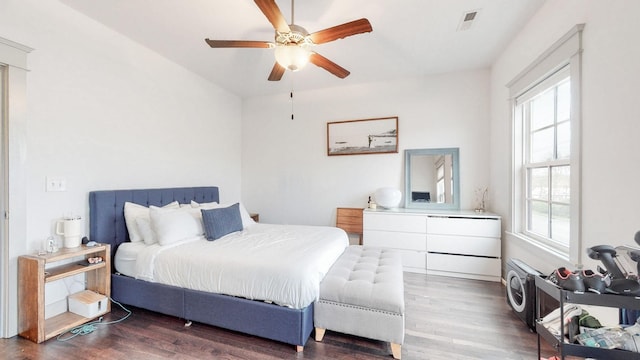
283	264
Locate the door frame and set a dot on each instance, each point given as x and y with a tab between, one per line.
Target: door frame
13	57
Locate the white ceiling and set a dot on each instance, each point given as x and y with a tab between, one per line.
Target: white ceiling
409	38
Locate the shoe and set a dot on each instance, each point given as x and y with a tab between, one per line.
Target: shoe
568	280
595	282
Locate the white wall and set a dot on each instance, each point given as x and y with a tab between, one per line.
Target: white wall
105	113
610	126
288	178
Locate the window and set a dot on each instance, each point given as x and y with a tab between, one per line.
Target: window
545	113
546	151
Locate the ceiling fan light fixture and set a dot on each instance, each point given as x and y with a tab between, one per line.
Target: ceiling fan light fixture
292	56
293	43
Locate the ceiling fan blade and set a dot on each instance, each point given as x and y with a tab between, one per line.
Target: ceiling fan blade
238	44
341	31
271	10
328	65
276	72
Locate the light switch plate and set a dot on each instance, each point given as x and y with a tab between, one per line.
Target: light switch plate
56	183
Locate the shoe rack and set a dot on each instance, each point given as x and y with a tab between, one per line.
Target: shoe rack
563	297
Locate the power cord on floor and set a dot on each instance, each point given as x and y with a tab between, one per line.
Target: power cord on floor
90	327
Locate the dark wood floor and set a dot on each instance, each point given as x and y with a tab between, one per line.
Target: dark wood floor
446	318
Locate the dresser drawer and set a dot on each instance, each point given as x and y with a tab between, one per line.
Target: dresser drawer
477	227
350	228
395	240
393	222
414	261
468	245
350	212
462	265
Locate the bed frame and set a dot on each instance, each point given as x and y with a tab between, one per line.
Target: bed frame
107	225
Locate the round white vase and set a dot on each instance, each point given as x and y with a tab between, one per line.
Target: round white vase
388	197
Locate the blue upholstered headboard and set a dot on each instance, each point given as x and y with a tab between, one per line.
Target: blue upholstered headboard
106	208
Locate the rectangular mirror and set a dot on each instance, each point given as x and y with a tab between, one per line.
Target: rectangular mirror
432	179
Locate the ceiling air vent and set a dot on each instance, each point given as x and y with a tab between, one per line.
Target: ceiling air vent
467	20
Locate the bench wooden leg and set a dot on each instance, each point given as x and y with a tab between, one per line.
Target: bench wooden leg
320	333
396	350
299	348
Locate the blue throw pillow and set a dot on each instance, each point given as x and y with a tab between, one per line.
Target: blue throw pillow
221	221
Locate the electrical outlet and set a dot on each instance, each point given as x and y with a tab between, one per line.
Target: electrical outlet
56	183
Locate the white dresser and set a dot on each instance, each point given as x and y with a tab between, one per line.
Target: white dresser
451	243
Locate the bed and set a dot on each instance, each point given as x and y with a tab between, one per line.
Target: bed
288	320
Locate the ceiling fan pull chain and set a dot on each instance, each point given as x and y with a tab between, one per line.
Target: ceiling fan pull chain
291	96
291	92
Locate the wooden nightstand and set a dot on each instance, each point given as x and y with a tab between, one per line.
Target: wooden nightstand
255	217
350	220
33	276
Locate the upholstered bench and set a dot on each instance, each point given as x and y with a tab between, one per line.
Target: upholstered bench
363	295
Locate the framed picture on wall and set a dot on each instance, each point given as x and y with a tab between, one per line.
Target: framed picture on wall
366	136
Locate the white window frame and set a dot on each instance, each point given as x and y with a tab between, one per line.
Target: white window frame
529	164
565	53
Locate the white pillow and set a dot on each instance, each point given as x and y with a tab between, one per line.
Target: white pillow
209	205
144	227
197	214
134	211
173	225
244	214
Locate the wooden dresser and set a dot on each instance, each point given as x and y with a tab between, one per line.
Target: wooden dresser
350	220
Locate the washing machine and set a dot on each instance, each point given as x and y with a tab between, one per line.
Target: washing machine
521	291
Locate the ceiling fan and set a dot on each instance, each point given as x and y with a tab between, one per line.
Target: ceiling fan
292	42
